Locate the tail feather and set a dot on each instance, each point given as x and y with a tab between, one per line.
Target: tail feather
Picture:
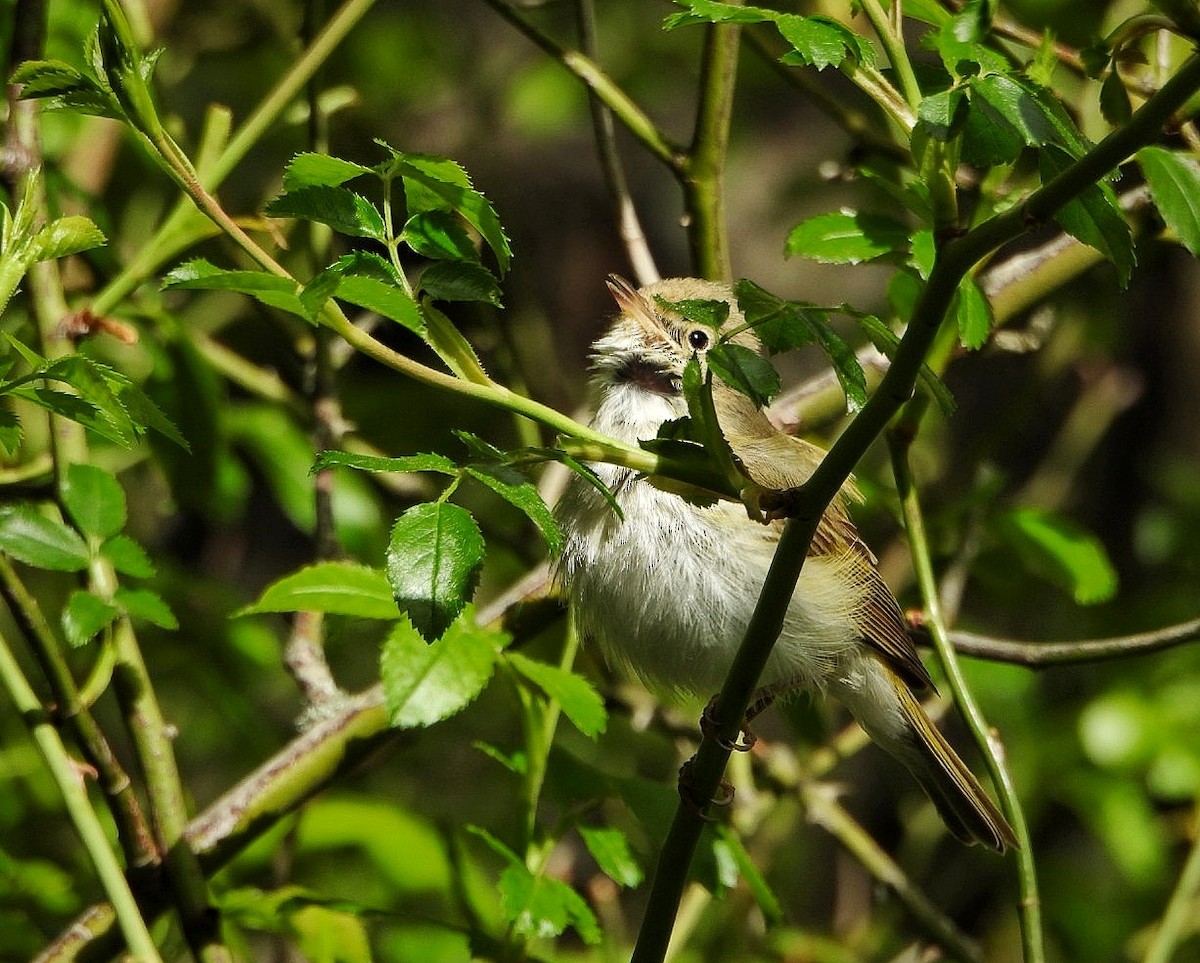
959	798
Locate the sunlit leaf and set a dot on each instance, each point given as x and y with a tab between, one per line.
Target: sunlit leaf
336	588
338	207
404	463
434	557
66	235
520	492
610	849
424	683
35	539
84	616
973	313
319	170
846	238
745	370
1062	551
95	500
574	694
1174	180
144	604
127	557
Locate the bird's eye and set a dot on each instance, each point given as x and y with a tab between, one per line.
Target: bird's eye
698	339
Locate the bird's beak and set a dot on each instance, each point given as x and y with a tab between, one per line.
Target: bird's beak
634	305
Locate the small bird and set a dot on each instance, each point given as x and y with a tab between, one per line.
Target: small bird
668	590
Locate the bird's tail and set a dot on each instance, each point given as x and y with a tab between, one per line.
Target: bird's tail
965	808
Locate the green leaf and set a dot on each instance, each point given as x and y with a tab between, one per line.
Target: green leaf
84	616
435	183
1115	105
335	588
842	238
610	850
887	341
11	431
426	683
974	314
434	557
67	86
1009	112
439	235
745	370
574	694
520	492
405	463
1174	180
140	603
785	325
1093	216
368	281
270	289
95	500
384	298
338	207
100	387
759	888
460	281
710	11
30	537
319	170
127	557
943	114
541	907
1062	551
702	311
66	235
819	41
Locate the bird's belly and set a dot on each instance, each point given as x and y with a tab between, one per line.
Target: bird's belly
669	592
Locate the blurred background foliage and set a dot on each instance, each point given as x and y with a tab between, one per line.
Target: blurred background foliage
1098	422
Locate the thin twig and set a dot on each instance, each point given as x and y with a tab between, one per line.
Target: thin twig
1035	655
824	810
605	88
1180	909
629	226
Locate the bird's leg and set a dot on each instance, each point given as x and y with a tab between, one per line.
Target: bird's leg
687	792
708	726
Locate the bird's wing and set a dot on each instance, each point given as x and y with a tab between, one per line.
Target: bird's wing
780	461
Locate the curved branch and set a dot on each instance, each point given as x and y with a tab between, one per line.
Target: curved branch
1035	655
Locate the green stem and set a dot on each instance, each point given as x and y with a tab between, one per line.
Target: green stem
1030	910
893	44
1180	909
70	783
703	187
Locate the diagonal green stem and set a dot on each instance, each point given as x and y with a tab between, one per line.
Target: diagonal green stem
1030	909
